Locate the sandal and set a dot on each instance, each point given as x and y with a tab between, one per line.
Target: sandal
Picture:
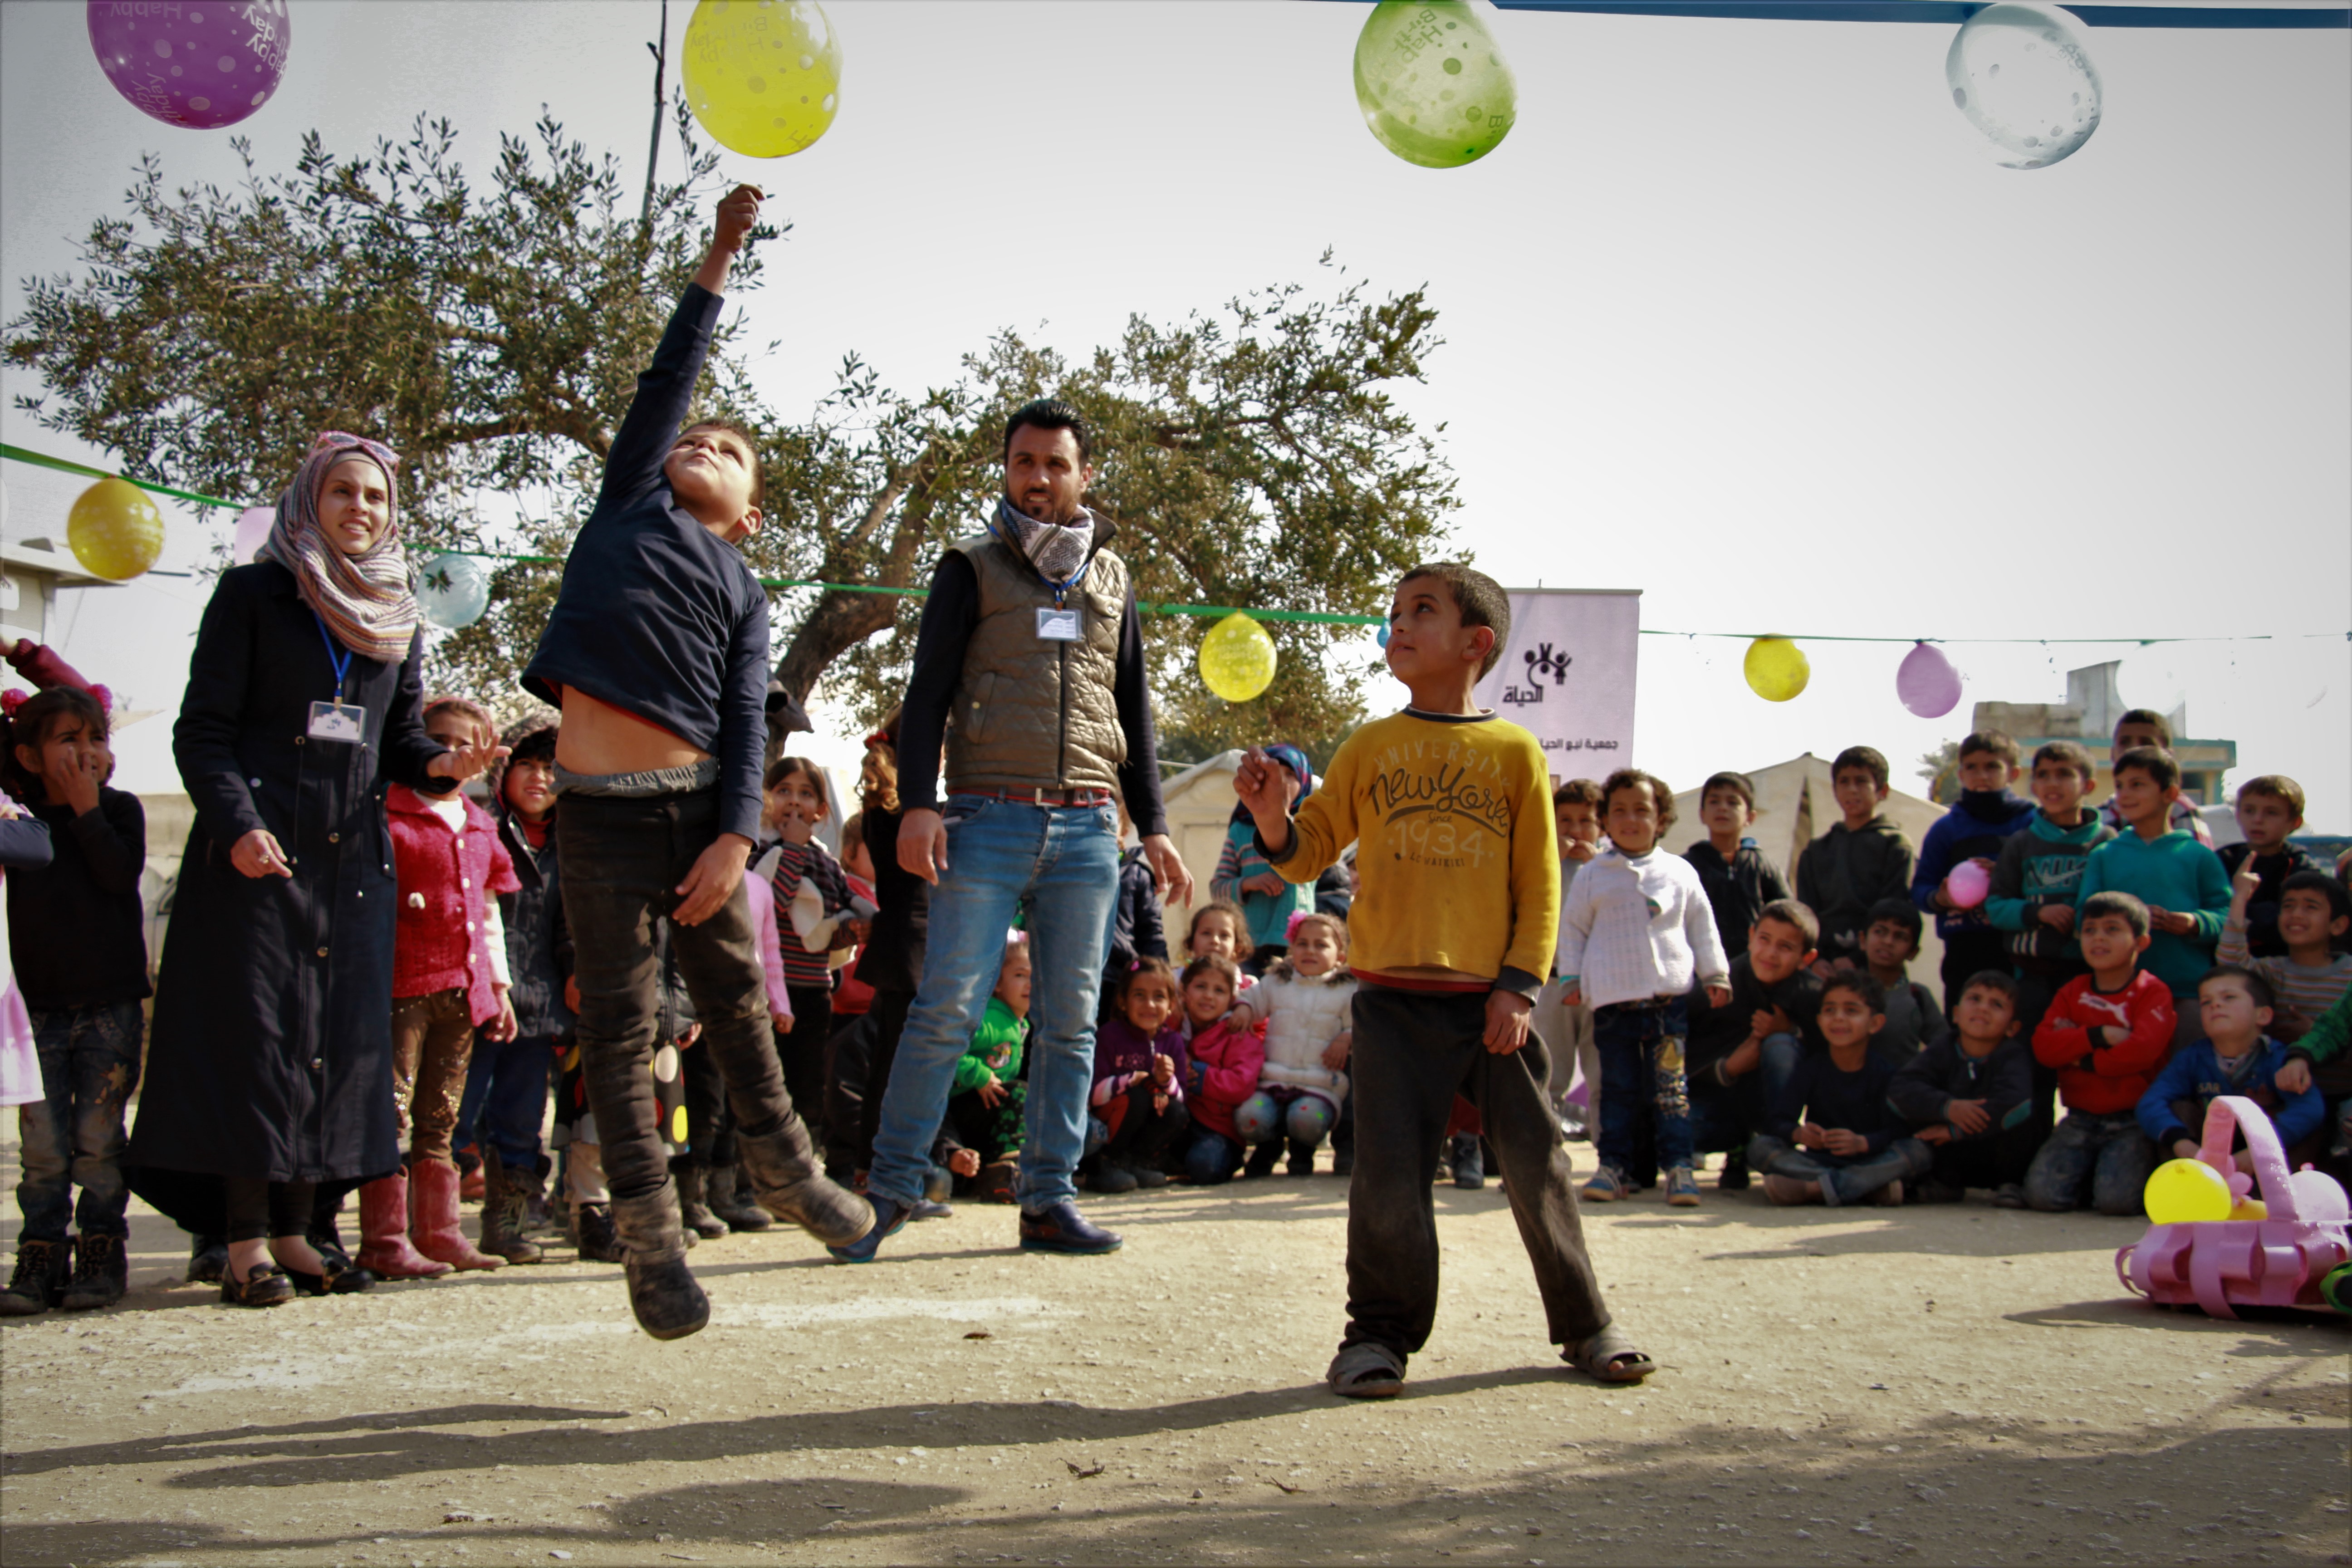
1366	1371
1609	1356
266	1286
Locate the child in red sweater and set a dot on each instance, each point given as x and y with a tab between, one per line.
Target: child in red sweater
1225	1070
449	978
2108	1033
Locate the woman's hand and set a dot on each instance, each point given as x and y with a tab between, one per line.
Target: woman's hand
257	855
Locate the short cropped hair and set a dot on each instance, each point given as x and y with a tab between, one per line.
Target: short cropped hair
1739	785
2339	899
2112	906
1997	742
2152	719
1577	792
1897	911
1627	778
1789	913
2257	987
1867	758
738	428
2155	762
2068	754
2279	788
1479	597
1993	980
1862	983
1052	413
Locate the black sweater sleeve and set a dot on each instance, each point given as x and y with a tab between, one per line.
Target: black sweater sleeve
407	749
24	843
665	390
1138	776
949	616
113	839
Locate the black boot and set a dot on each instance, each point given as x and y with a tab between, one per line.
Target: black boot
1261	1159
729	1198
668	1304
101	1273
539	1213
691	1206
1734	1178
599	1242
42	1270
207	1256
1302	1158
1469	1164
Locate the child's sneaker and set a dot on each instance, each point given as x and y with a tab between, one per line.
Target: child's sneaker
999	1180
1607	1186
1469	1162
2009	1195
1682	1188
39	1279
1889	1196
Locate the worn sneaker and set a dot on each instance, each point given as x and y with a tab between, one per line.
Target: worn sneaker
1607	1186
1682	1188
101	1273
2009	1195
42	1270
1469	1162
1061	1228
929	1208
1889	1196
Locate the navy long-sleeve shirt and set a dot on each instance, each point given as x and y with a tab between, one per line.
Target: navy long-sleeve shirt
1825	1094
658	615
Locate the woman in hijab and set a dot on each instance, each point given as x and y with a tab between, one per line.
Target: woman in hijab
270	1071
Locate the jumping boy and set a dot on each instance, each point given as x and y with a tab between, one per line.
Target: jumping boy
2105	1033
1859	861
2180	880
657	652
1450	937
1968	1096
1980	822
2269	808
1739	881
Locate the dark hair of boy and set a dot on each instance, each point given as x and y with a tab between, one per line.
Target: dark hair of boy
1479	597
34	718
2338	897
2155	762
1789	913
1739	785
1633	778
539	746
1862	983
2279	788
2151	719
2257	987
743	432
1052	413
1901	912
1992	741
2113	905
783	768
1577	792
1866	758
1146	969
2067	754
1993	980
1212	964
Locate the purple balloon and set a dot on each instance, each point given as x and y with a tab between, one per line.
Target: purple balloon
202	64
1926	682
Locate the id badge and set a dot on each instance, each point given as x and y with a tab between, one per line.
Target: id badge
1058	624
337	721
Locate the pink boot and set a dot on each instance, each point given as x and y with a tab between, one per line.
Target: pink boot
432	1217
384	1233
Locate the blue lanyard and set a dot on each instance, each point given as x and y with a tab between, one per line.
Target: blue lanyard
1061	589
340	657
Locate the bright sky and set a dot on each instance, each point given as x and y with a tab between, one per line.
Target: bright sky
1738	315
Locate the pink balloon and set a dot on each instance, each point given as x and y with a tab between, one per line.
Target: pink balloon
252	533
201	64
1968	884
1926	682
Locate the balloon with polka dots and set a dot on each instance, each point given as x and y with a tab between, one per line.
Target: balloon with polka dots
763	77
201	64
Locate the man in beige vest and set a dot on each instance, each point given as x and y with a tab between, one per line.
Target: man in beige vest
1030	671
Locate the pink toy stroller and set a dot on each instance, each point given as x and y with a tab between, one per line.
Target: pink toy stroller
2278	1262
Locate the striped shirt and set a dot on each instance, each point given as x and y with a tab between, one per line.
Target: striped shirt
807	968
2304	991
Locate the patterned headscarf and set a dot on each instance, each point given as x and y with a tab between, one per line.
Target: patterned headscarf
364	599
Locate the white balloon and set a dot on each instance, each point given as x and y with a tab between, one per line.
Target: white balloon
2021	74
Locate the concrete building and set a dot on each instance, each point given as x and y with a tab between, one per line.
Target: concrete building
2088	718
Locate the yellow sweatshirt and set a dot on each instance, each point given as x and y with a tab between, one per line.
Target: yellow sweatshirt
1460	863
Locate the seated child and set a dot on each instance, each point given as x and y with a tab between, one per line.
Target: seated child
1978	827
2106	1034
1139	1093
1304	1001
1568	1028
1220	930
1226	1059
2269	808
1968	1096
988	1108
2178	879
1830	1138
1845	871
2310	971
1888	945
1634	932
2234	1058
1739	1054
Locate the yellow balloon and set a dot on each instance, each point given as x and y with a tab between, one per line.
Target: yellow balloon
762	75
115	531
2184	1192
2250	1208
1237	658
1775	668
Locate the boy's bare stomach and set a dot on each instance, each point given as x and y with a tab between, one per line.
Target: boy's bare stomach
598	738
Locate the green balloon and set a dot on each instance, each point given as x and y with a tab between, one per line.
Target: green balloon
1431	83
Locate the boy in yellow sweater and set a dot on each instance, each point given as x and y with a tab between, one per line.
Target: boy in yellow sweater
1451	937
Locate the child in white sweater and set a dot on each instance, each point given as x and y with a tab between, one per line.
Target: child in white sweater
1305	1000
1635	930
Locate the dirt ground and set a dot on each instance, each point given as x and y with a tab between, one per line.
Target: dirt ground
1960	1385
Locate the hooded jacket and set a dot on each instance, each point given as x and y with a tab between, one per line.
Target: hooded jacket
2038	868
1847	869
1980	823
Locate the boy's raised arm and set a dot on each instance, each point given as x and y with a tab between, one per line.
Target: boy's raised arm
1300	847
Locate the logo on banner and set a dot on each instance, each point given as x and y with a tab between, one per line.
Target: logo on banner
1540	661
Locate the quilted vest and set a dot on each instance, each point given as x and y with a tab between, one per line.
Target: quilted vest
1031	711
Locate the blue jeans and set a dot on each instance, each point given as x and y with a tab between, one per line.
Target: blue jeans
506	1098
1212	1157
1641	1046
1064	861
2109	1153
89	1065
1845	1178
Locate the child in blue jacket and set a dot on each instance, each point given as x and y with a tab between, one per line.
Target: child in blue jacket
2235	1058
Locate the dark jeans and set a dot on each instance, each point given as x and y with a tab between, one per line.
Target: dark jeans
802	1053
2036	989
709	1131
1641	1046
1213	1157
622	859
1723	1118
1413	1052
886	1019
1997	1159
846	1053
991	1131
1845	1178
2109	1154
74	1136
507	1087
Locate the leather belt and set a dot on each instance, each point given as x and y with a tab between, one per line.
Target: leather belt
1035	797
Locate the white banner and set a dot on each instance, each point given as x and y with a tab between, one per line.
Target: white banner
1566	673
